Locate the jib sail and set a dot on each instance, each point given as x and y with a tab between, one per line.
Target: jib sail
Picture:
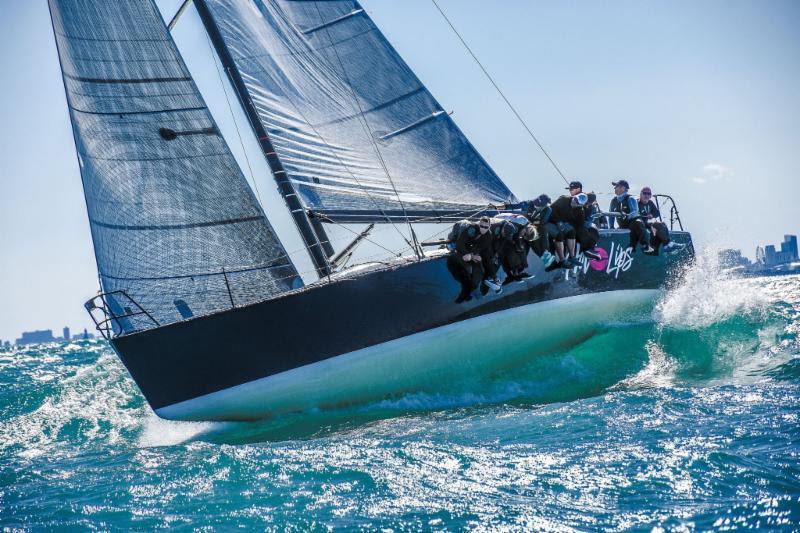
174	223
358	134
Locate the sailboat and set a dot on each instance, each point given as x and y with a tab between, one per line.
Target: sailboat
198	295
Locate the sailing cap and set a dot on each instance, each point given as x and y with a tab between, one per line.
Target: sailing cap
580	199
624	183
574	184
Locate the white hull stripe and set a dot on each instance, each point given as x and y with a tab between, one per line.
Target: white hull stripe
417	362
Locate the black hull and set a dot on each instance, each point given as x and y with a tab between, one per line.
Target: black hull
180	362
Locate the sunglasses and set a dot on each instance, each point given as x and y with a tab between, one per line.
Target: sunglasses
647	194
484	227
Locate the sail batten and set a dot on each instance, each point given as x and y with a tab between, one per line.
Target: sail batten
174	223
334	21
343	110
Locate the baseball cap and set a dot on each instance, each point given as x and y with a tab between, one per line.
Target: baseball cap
573	184
624	183
647	190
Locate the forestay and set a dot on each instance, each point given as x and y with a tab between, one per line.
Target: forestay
174	222
359	135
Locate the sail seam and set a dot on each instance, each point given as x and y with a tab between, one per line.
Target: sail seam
156	111
378	107
334	21
114	97
177	226
345	118
315	49
126	80
141	159
200	275
100	40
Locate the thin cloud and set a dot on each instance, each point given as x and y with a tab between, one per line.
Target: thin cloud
713	172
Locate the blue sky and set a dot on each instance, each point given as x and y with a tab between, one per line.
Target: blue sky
697	99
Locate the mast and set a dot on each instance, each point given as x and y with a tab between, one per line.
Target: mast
312	232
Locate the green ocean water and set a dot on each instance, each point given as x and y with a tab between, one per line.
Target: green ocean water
687	418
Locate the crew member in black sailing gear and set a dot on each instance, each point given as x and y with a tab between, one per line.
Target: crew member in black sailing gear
629	217
538	213
511	251
586	232
505	235
466	261
568	215
658	229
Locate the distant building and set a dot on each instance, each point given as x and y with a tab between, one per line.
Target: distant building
83	336
761	257
35	337
7	345
66	333
769	256
773	257
789	246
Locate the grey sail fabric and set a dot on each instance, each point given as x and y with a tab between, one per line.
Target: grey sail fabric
354	128
174	222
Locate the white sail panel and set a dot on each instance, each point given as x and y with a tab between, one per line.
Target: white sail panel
174	222
353	126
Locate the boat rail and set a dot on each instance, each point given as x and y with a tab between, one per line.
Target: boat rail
108	322
668	201
674	215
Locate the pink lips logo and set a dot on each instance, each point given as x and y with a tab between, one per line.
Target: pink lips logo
599	264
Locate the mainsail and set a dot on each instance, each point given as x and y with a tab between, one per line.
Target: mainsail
359	135
174	223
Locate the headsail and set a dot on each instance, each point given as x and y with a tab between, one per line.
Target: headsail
359	135
174	222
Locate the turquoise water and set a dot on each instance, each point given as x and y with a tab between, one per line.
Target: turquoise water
687	418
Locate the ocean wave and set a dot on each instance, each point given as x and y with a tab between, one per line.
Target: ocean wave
709	294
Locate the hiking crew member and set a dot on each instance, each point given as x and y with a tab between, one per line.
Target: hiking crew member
567	216
586	232
629	218
511	249
528	239
504	248
538	213
466	263
658	229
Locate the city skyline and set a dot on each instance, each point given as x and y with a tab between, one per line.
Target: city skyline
37	336
695	100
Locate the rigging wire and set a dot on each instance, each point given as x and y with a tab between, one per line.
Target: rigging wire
365	123
349	171
500	92
235	122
